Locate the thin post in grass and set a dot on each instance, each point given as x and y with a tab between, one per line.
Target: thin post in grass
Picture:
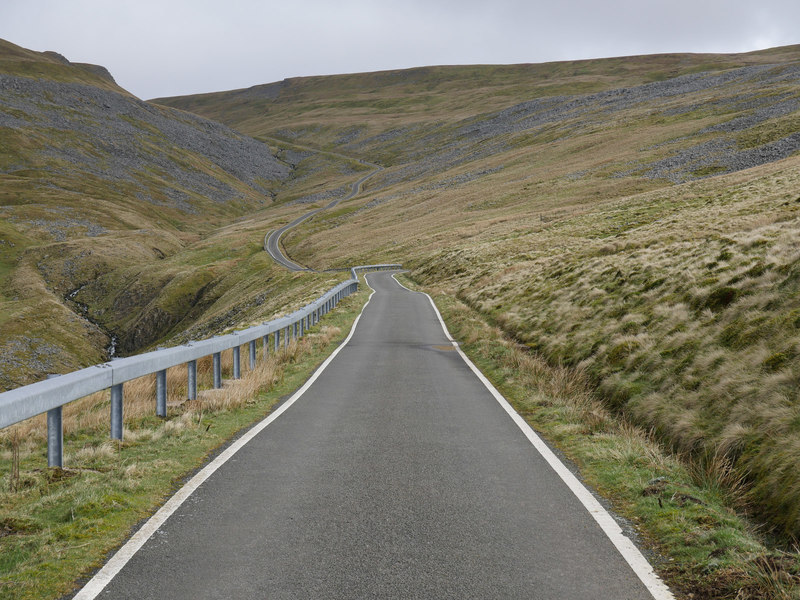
301	323
294	330
252	355
237	357
266	345
277	338
116	412
161	393
191	373
14	483
217	362
55	435
286	337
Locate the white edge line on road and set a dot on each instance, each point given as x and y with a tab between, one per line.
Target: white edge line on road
115	564
640	565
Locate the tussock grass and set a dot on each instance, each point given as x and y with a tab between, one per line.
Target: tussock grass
682	509
688	325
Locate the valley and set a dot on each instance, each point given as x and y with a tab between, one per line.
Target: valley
632	222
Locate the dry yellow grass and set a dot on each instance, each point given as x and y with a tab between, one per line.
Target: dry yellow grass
92	413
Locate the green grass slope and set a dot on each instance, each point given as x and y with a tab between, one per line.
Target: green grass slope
334	111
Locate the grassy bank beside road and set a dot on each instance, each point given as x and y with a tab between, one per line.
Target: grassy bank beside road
59	525
683	515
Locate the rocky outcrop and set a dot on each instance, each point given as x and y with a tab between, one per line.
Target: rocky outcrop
77	127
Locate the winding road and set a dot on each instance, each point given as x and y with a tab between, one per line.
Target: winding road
395	472
273	238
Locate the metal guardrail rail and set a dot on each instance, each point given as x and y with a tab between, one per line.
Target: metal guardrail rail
49	396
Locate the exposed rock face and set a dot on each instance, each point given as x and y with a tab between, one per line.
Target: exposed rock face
114	136
485	135
97	187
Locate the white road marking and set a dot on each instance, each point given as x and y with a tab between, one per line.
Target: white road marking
610	527
115	564
627	549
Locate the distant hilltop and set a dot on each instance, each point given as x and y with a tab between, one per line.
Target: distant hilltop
96	69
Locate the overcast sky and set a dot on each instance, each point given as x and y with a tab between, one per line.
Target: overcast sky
164	48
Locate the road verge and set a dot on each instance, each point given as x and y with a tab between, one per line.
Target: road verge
58	524
696	540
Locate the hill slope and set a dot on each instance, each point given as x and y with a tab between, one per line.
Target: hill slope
113	216
634	218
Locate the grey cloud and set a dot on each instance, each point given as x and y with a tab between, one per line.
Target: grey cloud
157	48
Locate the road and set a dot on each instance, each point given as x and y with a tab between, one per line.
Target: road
273	238
396	474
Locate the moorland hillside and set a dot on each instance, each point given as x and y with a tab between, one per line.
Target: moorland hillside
634	218
115	219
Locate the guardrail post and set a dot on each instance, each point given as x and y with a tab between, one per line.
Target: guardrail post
237	356
161	393
55	435
151	365
191	371
116	412
217	360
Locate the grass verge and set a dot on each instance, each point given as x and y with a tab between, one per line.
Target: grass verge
58	525
685	515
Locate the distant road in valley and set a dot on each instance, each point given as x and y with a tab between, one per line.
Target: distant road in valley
273	238
396	474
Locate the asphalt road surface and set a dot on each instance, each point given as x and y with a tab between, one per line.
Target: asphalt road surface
273	238
396	475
